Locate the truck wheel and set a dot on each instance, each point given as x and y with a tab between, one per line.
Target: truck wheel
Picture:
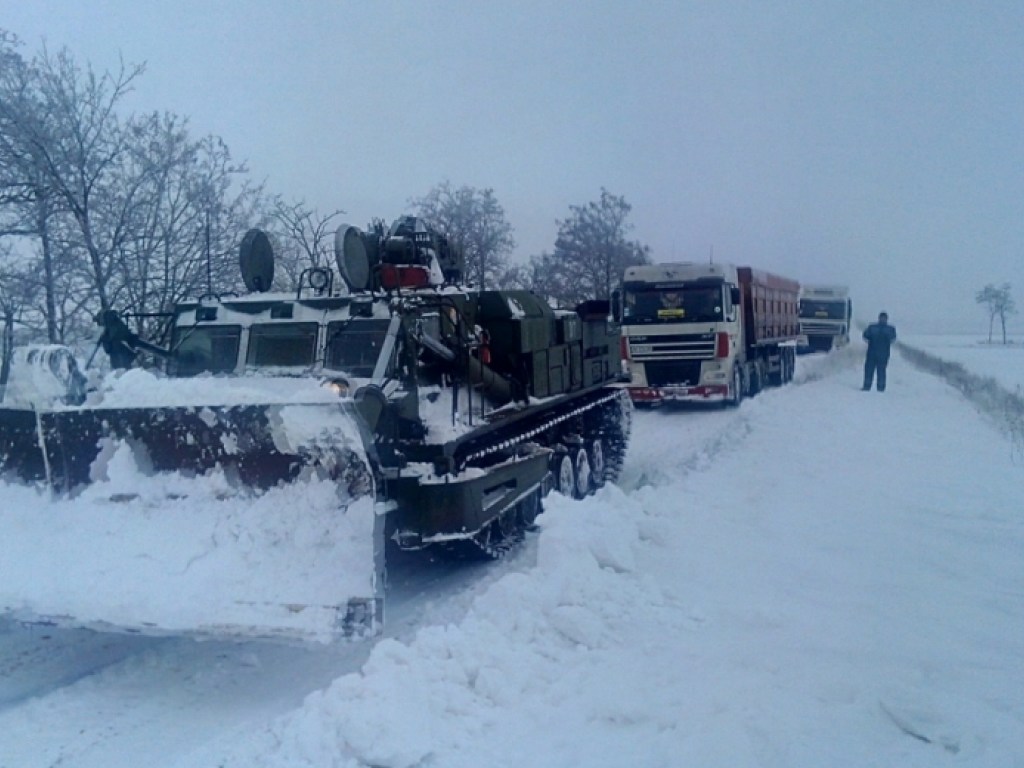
737	388
755	381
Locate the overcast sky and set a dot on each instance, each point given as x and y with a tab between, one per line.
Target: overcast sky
876	143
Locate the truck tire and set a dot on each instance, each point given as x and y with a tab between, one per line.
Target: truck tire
736	395
756	380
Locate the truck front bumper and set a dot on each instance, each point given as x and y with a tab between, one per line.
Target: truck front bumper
703	393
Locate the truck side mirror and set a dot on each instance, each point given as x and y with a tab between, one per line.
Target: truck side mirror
734	294
617	305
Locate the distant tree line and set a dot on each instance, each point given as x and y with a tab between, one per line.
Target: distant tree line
105	210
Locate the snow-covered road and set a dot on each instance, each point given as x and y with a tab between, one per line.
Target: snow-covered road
820	577
113	699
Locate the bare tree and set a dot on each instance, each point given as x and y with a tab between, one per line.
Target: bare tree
184	229
999	303
591	252
304	239
17	292
473	220
80	146
28	201
132	213
526	277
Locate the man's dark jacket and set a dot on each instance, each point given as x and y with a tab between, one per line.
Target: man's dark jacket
879	337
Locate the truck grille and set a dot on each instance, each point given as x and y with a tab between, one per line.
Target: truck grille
811	327
677	347
672	359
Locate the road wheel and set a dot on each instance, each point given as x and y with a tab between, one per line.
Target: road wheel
565	476
582	473
509	523
598	465
528	509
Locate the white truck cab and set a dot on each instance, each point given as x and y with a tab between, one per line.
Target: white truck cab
705	332
826	313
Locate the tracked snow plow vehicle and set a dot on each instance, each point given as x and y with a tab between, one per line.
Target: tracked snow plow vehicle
441	414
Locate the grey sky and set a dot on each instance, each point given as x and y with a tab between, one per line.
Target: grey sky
875	143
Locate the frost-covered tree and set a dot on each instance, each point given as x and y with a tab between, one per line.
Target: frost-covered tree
18	288
591	252
28	200
130	212
473	220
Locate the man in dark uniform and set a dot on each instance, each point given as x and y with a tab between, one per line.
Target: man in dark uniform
117	340
879	337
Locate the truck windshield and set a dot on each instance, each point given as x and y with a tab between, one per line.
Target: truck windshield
697	304
205	349
822	310
282	344
353	346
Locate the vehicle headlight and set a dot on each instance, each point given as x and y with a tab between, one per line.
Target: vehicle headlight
339	386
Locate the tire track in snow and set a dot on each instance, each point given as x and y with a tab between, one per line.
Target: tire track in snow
38	659
706	431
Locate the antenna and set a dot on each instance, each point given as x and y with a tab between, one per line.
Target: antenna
711	255
209	265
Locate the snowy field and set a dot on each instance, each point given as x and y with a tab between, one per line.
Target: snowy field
1004	363
822	577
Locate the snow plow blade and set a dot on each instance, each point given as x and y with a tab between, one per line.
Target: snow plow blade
258	446
249	521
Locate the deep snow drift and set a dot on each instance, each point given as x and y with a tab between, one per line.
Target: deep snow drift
823	576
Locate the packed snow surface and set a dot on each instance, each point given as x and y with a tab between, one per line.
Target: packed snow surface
821	577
